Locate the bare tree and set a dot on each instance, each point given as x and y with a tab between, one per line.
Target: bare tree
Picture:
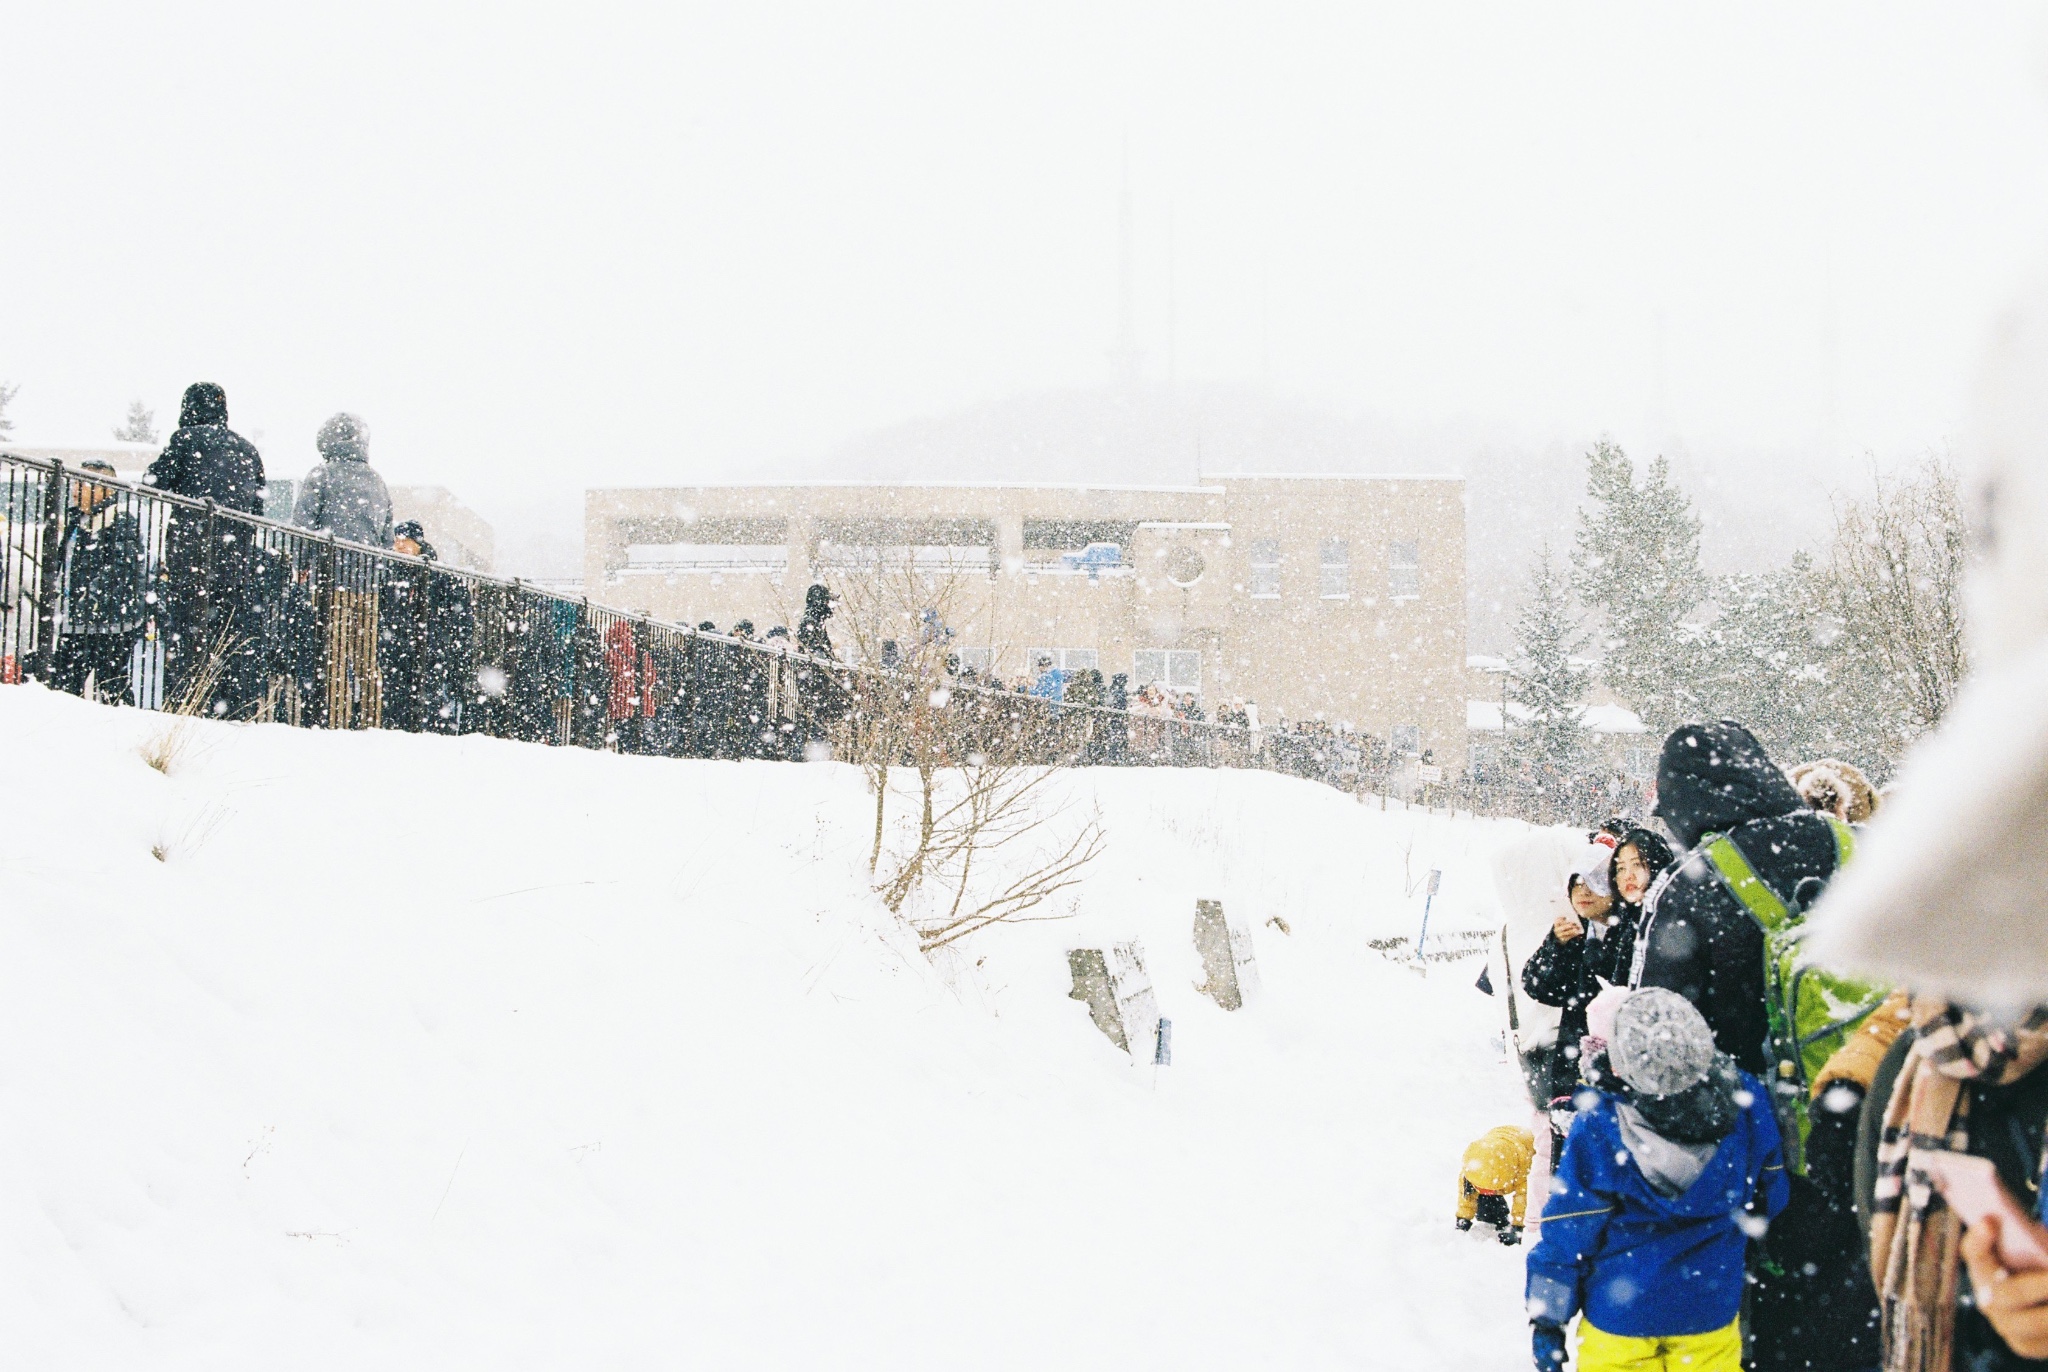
978	850
7	394
1000	809
897	618
1896	574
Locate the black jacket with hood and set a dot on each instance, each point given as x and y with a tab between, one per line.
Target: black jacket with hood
1696	938
205	459
1570	974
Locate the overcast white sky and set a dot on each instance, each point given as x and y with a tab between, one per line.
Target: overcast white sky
599	244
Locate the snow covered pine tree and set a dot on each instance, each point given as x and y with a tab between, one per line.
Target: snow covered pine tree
1636	560
1547	681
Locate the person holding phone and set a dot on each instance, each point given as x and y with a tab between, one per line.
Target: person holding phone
1952	1270
1585	950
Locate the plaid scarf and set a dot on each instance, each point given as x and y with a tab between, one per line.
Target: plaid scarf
1914	1240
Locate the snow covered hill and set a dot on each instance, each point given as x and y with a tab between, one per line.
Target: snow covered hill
351	1050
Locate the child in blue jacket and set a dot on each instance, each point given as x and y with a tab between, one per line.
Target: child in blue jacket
1661	1186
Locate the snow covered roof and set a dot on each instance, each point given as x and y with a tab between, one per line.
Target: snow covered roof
1613	719
882	484
1483	716
1331	476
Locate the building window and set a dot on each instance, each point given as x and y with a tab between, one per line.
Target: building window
1177	669
1407	740
1068	660
1482	761
1640	762
1404	570
1336	569
1266	569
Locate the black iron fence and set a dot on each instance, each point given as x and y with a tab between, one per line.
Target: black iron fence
129	594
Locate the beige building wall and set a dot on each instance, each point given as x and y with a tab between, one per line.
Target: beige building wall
461	536
1341	598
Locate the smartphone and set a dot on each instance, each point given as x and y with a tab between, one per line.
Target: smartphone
1972	1189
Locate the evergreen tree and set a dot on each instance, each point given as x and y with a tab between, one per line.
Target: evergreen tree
1773	657
1546	679
1636	560
7	394
139	427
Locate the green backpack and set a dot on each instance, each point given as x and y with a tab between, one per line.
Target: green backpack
1812	1010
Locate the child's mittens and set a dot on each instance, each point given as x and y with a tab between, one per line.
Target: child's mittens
1547	1340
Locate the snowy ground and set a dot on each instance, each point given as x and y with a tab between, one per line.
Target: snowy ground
425	1052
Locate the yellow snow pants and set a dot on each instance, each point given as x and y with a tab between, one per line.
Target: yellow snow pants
1600	1351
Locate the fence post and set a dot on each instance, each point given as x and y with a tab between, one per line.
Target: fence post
326	603
206	616
50	579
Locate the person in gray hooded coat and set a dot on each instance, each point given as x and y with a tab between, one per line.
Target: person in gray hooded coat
344	495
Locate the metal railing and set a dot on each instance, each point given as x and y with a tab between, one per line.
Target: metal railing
131	594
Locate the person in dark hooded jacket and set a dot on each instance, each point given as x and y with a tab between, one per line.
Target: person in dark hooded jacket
1696	938
811	637
208	584
822	694
205	459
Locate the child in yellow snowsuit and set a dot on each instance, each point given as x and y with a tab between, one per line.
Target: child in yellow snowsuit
1496	1169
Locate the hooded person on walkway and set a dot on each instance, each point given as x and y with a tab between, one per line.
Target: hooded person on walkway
1696	937
1646	1229
207	583
205	459
811	635
344	496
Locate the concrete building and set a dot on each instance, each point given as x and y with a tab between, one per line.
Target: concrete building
1340	598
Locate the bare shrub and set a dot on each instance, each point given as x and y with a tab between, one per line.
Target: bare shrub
1001	809
193	701
976	799
182	840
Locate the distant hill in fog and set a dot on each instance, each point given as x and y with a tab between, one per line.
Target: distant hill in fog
1758	507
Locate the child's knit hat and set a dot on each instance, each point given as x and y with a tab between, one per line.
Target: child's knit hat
1661	1044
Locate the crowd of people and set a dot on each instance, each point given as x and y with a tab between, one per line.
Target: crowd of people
160	603
1734	1141
166	603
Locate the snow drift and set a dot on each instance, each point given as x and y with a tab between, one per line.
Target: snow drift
372	1049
